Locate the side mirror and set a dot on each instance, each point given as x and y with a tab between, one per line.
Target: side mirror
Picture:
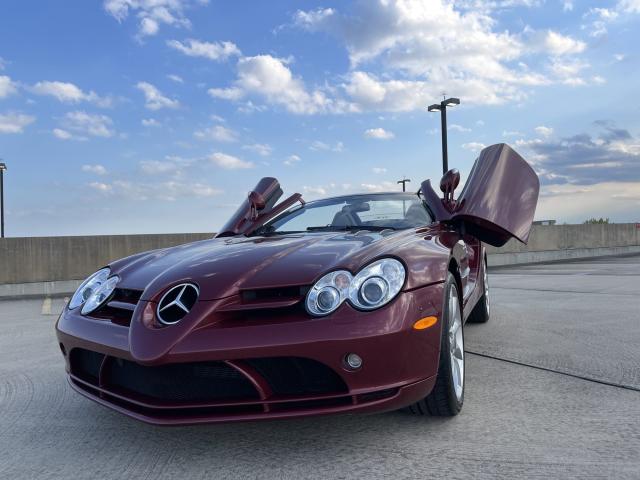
448	185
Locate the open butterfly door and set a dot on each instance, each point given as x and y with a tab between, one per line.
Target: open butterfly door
499	198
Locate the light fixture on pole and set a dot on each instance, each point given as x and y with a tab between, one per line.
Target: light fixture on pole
403	182
442	108
3	167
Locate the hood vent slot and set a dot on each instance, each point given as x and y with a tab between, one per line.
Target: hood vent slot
265	295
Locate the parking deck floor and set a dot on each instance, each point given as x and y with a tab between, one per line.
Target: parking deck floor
553	391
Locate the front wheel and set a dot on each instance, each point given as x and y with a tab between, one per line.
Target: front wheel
447	395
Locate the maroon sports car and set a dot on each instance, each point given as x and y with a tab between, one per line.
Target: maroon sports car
348	304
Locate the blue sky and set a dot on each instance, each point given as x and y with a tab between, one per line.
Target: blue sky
143	116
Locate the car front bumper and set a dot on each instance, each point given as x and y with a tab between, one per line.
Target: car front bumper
399	363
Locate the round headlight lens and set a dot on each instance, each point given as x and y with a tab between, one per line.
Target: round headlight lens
100	295
373	290
328	293
89	287
328	299
377	284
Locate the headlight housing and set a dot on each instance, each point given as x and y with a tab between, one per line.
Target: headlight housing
374	286
377	284
94	291
328	293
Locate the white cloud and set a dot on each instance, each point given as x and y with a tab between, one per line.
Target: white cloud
511	133
95	169
212	51
62	134
573	203
423	48
170	164
166	191
67	92
262	149
544	131
7	86
148	26
379	187
379	170
217	133
568	71
555	43
154	99
271	79
458	128
101	187
89	124
152	13
322	146
15	122
473	146
150	122
291	160
229	162
311	19
175	78
630	6
379	134
314	190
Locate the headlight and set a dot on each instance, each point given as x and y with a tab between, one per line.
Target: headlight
377	284
328	293
100	295
94	291
374	286
88	287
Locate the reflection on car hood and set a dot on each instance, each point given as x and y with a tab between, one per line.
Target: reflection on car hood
223	266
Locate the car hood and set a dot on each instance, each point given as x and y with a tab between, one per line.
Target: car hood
223	266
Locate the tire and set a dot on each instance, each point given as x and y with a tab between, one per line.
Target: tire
447	396
481	311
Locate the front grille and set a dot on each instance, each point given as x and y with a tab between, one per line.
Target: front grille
119	309
181	382
298	376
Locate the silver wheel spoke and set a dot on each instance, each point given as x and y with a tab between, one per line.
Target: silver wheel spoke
456	343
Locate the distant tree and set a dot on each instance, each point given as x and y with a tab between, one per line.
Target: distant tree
597	221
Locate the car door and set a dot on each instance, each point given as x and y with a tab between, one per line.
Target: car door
499	198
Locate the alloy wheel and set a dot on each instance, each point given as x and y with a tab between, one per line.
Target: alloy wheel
456	344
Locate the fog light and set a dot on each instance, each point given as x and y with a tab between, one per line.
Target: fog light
353	361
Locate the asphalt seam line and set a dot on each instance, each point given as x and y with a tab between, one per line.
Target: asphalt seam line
545	369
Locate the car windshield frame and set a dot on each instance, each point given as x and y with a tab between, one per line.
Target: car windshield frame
411	198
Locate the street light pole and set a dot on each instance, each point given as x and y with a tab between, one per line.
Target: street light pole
442	108
3	167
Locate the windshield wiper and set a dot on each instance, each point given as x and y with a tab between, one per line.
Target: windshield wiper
349	228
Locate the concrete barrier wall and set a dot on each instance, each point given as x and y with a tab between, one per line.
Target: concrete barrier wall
45	264
45	259
564	242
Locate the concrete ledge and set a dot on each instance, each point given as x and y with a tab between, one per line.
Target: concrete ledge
58	288
521	258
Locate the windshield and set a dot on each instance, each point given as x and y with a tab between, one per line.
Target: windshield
355	212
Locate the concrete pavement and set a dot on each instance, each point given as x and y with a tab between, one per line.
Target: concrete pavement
580	320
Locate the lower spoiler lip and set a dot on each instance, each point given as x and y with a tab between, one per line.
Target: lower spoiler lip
399	397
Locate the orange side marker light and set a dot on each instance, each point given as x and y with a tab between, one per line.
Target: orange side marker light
425	322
